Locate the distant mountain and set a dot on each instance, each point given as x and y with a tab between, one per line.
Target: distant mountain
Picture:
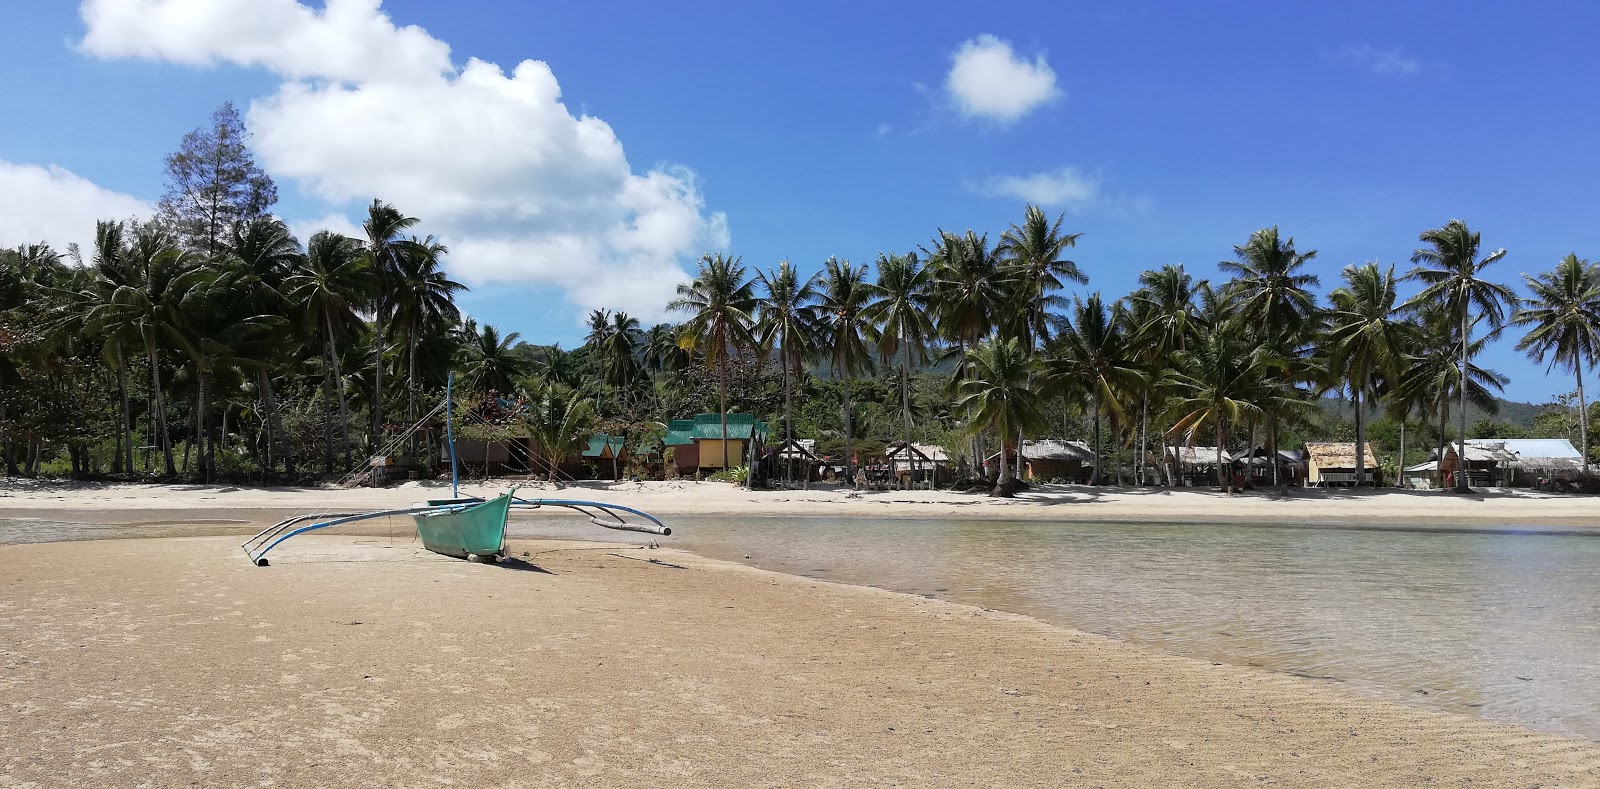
1519	414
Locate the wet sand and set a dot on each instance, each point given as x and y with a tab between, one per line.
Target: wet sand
362	661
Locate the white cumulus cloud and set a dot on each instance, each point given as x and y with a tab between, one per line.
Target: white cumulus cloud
987	80
53	205
493	162
1381	61
1067	187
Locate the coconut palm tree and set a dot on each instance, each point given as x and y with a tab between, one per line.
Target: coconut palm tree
267	251
424	302
904	324
1563	316
844	329
786	322
490	363
970	289
1269	287
721	303
149	305
1221	382
661	351
619	352
328	287
1094	353
1367	341
559	422
1035	251
383	250
998	389
1168	321
1452	273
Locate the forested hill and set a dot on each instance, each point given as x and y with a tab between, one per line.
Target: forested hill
1510	411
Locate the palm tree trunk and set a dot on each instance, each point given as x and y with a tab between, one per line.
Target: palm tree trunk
1272	451
722	398
344	398
1144	439
1583	414
377	378
5	444
126	461
161	411
1401	471
327	405
1361	437
202	429
274	424
1224	481
1444	415
1463	481
788	414
849	446
411	382
1094	476
905	404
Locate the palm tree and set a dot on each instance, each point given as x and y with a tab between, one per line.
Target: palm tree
844	329
1221	381
599	328
267	252
491	365
112	270
1170	322
149	306
383	251
999	391
904	324
786	322
328	286
1367	342
661	351
619	352
424	302
970	289
1092	352
1434	378
559	421
1035	252
721	302
1268	288
1564	316
1452	273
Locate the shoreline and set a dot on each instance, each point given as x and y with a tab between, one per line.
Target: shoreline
1303	507
835	679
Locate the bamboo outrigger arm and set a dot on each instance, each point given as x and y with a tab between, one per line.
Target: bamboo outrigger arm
654	527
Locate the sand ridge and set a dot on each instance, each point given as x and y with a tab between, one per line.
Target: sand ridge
365	661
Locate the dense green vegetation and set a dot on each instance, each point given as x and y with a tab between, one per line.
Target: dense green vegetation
210	343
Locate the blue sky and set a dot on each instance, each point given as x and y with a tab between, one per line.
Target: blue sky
1165	133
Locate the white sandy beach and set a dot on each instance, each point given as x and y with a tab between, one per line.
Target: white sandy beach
682	498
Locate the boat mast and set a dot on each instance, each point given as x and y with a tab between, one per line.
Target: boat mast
449	431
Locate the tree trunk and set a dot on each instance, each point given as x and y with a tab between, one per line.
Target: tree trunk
377	377
722	394
1401	471
1144	440
5	443
202	429
849	446
161	411
125	450
1463	481
905	406
274	424
788	414
1094	476
344	399
1444	416
1224	480
1361	437
1272	452
1583	415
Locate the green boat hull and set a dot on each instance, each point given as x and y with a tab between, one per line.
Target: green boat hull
478	530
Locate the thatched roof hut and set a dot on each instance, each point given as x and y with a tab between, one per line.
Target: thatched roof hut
1335	463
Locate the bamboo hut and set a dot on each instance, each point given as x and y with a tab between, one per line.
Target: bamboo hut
931	462
1197	465
1334	463
1050	459
606	455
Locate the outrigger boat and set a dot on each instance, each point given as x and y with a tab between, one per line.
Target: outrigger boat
466	528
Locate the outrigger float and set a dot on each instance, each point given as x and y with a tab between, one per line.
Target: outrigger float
466	528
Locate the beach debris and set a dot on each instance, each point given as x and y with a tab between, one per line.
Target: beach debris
1010	692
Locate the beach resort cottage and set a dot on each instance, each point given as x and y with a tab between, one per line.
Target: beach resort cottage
932	464
1486	464
697	444
1422	476
1257	466
1335	464
797	459
1049	459
1504	462
606	456
1196	465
